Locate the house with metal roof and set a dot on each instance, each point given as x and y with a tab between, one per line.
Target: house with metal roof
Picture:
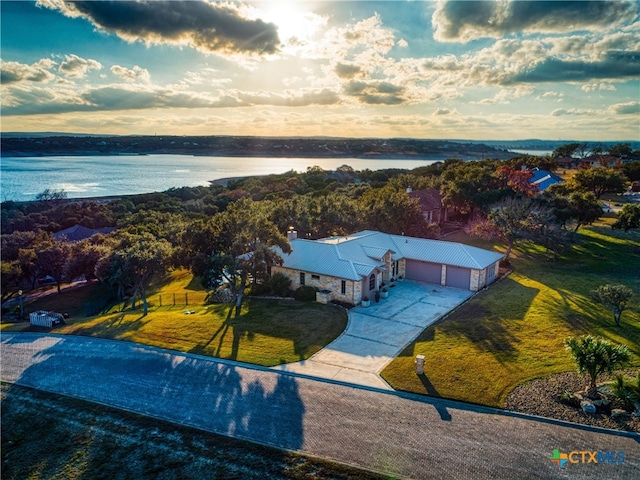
543	179
356	266
78	233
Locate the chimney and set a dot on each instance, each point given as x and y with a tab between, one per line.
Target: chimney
292	234
409	190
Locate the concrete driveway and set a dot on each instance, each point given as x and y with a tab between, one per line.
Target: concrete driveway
377	334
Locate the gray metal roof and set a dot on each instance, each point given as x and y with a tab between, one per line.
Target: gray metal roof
376	253
316	257
356	256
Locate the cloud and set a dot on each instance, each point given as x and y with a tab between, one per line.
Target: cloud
553	96
14	72
344	70
204	25
367	34
463	21
615	64
35	101
74	66
631	108
375	92
144	97
290	99
591	87
131	74
511	62
573	111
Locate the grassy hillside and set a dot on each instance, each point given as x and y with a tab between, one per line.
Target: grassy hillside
267	332
514	331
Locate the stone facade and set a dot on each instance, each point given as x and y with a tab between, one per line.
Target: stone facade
475	279
353	289
482	282
482	278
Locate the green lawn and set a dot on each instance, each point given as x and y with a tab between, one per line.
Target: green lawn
514	331
267	332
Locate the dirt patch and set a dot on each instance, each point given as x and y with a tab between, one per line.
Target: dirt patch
542	397
50	436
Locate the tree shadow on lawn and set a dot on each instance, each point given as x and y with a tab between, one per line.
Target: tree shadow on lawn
305	325
596	319
114	327
488	331
195	285
222	331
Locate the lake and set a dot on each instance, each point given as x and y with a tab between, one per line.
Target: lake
22	178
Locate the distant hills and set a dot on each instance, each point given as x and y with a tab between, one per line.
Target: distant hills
42	145
55	143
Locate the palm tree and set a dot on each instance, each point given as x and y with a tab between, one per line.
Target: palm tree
595	355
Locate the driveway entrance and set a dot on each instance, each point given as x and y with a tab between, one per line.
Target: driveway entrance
377	334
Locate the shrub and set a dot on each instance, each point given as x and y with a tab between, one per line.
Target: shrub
305	294
569	399
260	288
280	285
627	391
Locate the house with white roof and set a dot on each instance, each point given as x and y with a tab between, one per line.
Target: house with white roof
356	266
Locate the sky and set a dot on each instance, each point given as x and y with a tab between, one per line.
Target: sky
502	70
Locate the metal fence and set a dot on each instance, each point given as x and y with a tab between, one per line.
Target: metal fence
181	298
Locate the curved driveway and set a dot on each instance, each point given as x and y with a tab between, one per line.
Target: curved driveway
402	435
377	334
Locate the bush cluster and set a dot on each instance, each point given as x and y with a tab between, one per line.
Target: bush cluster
305	294
278	285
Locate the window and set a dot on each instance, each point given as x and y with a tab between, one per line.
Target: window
315	277
372	282
343	287
302	282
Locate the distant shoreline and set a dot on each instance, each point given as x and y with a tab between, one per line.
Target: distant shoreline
371	156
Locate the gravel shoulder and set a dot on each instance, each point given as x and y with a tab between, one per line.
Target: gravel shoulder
542	397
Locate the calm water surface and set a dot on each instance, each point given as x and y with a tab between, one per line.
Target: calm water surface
94	176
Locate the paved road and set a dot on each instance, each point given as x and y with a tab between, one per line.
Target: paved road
406	436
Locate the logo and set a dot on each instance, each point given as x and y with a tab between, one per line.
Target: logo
559	458
586	456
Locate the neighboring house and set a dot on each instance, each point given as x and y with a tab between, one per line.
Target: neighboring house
544	179
600	161
355	266
567	162
78	233
430	201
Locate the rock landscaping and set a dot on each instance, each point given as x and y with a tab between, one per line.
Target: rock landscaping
562	397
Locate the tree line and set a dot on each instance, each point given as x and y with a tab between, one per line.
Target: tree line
225	234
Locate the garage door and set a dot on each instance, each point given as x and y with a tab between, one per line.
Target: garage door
423	271
458	277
